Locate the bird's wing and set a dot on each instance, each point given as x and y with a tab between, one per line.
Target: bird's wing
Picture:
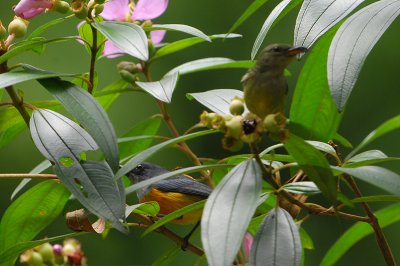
184	185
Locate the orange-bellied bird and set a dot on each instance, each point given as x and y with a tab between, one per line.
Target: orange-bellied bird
171	194
265	86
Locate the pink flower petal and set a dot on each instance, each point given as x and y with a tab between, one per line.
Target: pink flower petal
116	10
157	36
247	243
111	51
27	9
149	9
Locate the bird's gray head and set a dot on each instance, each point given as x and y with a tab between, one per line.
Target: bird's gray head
145	171
277	56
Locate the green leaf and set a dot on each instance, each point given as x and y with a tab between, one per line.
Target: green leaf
30	213
37	170
217	100
86	33
12	252
358	231
342	140
368	158
376	198
146	208
386	127
352	44
128	37
314	165
367	155
187	170
63	142
31	45
148	127
253	7
163	89
312	105
167	258
140	157
306	240
375	175
12	123
277	14
201	65
277	241
304	187
85	108
110	93
44	27
182	28
228	212
174	215
322	146
186	43
28	72
316	17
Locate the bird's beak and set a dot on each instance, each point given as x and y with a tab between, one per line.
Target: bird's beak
296	50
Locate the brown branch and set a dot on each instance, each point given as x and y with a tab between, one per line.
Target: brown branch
171	235
380	237
93	53
174	131
17	101
311	208
33	176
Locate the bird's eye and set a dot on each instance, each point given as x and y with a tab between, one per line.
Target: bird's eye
276	49
139	167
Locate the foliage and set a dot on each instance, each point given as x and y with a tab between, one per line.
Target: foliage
266	194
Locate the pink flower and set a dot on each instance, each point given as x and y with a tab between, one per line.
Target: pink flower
27	9
120	10
247	243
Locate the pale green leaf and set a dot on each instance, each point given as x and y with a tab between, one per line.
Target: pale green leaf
228	212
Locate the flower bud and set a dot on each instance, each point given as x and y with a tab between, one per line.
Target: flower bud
18	27
234	127
98	9
31	258
80	9
3	32
46	251
274	122
232	144
127	76
206	118
236	107
61	7
129	66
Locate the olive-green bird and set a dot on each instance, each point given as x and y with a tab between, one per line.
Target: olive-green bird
265	87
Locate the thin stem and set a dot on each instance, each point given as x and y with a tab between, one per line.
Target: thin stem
174	131
93	50
17	101
311	208
380	237
33	176
171	235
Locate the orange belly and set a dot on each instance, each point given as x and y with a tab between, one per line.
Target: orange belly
172	201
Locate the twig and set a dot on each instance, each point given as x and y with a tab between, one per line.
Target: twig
380	237
171	235
174	131
311	208
93	53
33	176
17	101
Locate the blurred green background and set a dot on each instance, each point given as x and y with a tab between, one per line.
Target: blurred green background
374	100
